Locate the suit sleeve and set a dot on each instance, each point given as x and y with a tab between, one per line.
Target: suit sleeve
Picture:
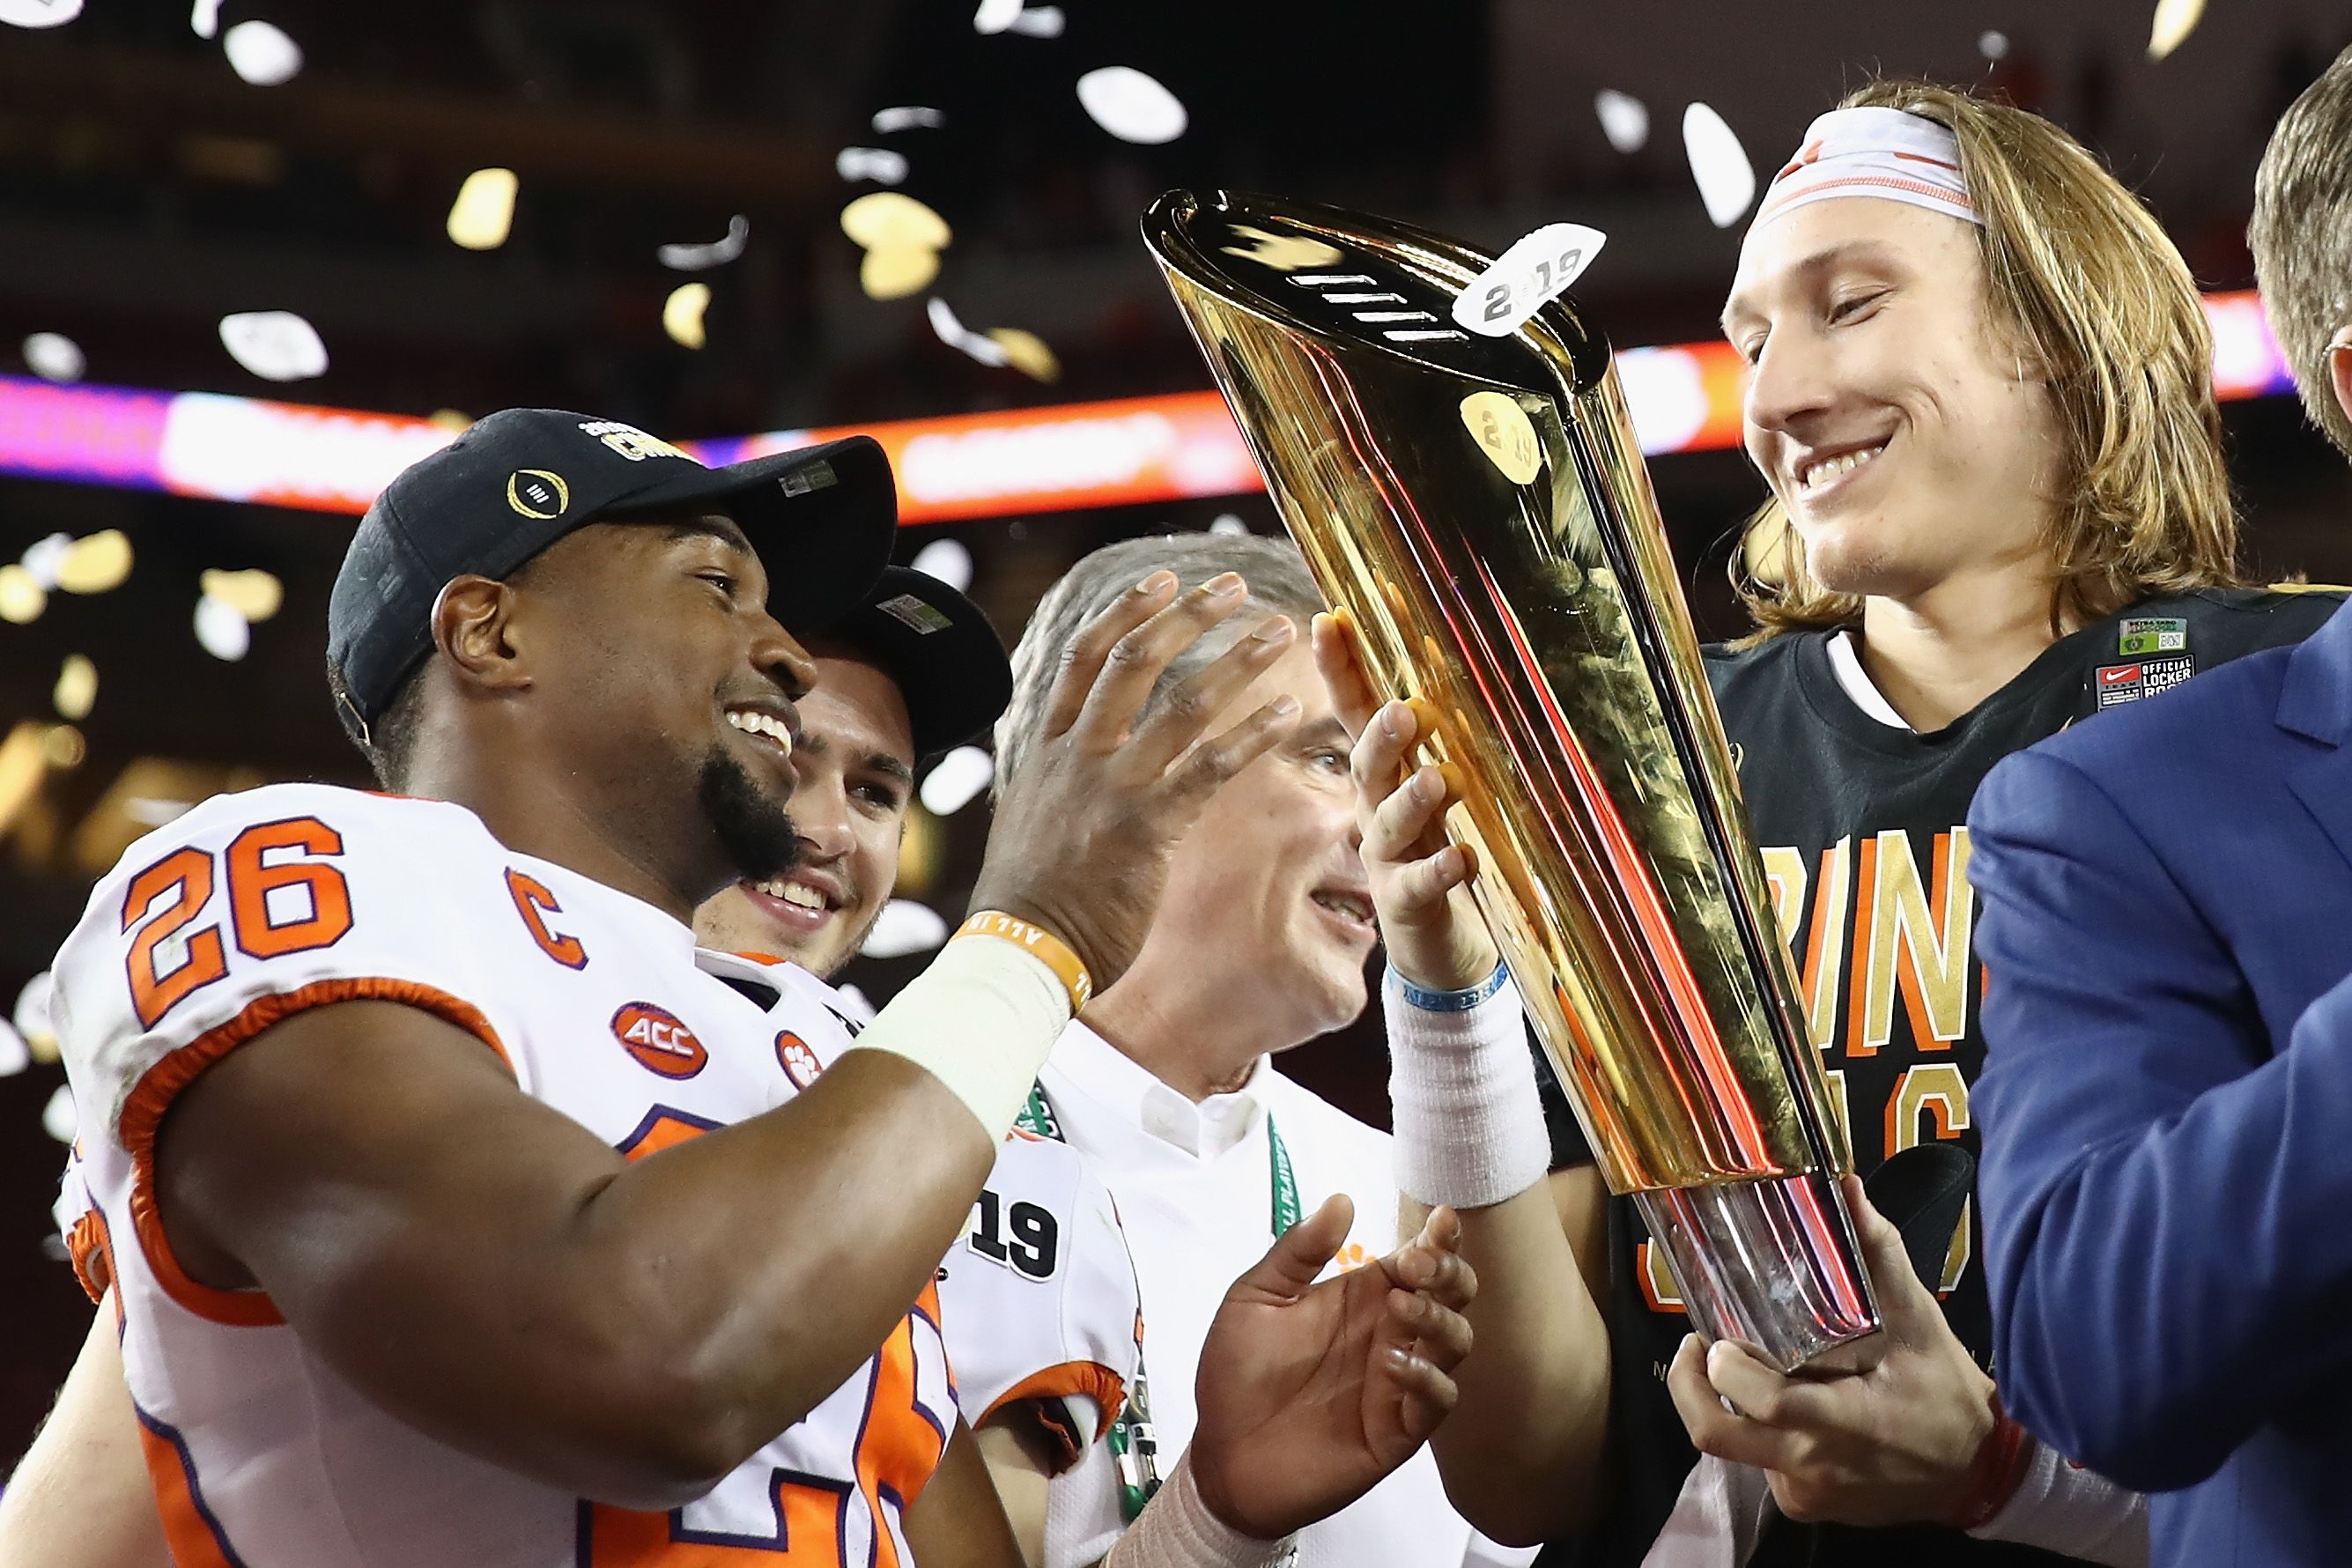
2164	1196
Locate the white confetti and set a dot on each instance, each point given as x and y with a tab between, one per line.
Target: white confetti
45	559
1039	22
1226	522
225	633
153	811
261	54
275	345
31	1015
1993	46
2175	20
483	214
1537	268
880	164
947	560
1131	106
957	780
1726	181
904	927
39	13
205	18
905	117
953	333
682	313
994	16
718	253
58	1119
14	1055
1625	120
53	356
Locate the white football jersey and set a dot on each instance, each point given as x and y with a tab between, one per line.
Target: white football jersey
1039	1298
255	906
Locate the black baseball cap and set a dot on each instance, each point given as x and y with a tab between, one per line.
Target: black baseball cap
822	519
949	663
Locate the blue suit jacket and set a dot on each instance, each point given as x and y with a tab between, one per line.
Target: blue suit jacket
2166	1100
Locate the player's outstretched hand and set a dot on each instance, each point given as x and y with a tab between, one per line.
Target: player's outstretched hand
1421	883
1084	831
1898	1444
1309	1393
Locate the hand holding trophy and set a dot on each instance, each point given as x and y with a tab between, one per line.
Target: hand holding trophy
1477	507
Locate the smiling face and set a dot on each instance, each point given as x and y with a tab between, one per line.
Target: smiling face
666	691
1907	440
1267	908
856	765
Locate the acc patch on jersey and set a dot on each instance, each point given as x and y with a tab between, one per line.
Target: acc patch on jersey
799	1062
2144	635
659	1042
2120	683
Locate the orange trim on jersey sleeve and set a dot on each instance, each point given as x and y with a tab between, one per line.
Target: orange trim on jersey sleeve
1072	1379
188	1529
93	1260
143	1115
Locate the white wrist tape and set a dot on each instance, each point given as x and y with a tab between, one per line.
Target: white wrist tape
1462	1087
981	1019
2073	1513
1176	1530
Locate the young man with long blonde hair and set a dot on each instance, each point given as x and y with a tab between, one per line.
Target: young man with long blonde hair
1982	398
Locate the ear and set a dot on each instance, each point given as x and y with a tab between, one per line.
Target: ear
474	626
2339	369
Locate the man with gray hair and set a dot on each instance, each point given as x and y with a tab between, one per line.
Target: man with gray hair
1168	1084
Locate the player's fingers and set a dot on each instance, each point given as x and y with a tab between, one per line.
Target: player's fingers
1178	720
1213	761
1376	762
1762	1394
1440	1333
1298	1255
1715	1430
1402	823
1333	638
1427	1391
1082	660
1904	1301
1133	664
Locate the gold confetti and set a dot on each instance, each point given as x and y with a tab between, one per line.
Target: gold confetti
682	313
891	220
897	273
484	210
63	746
22	597
451	420
254	594
77	690
2175	20
1026	352
95	563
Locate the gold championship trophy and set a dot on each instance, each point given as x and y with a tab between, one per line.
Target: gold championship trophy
1478	507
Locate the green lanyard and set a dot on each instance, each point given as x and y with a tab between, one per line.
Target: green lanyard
1132	1446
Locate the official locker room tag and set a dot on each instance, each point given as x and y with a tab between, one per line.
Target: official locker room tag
1537	268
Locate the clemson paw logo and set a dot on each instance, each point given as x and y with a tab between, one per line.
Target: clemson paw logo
658	1041
799	1062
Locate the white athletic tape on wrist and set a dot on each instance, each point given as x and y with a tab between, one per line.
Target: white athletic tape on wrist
2072	1513
1461	1089
981	1019
1176	1530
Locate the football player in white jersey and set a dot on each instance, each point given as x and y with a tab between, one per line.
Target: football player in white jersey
378	1306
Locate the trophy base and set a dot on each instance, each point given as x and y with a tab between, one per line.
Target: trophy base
1773	1266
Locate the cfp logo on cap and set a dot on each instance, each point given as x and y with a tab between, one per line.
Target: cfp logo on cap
536	492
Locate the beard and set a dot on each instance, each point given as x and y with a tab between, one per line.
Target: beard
756	833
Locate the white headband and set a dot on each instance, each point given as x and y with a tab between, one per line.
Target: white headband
1882	152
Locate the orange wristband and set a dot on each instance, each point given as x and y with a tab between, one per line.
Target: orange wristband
2000	1464
1040	943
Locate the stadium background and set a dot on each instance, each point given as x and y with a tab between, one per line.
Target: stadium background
160	172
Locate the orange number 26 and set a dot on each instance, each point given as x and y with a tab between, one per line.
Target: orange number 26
277	905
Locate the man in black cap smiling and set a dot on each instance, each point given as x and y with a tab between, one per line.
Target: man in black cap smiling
434	1182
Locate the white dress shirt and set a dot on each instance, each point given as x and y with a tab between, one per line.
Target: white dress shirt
1194	1188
